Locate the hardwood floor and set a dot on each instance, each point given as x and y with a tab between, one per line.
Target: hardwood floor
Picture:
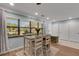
66	51
62	51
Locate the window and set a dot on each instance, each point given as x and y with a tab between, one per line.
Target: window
12	27
19	27
24	27
35	25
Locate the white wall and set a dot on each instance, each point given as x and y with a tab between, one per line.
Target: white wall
67	30
16	42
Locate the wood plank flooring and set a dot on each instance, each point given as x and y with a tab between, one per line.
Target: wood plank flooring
66	51
63	51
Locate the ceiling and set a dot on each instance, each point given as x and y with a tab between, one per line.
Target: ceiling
55	11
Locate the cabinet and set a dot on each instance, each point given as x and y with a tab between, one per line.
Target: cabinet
37	45
46	45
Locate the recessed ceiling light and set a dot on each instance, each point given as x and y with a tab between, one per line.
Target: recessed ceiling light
47	18
70	18
36	13
12	4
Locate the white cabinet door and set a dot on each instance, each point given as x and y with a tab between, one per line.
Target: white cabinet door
63	30
74	30
55	29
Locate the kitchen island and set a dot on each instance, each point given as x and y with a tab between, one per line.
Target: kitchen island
37	45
